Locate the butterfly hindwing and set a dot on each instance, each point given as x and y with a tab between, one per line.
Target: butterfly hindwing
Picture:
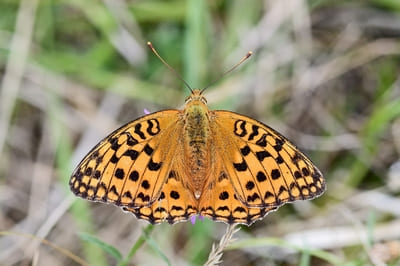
219	201
128	168
175	203
266	170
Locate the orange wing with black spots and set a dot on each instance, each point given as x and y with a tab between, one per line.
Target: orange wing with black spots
263	168
173	164
221	203
175	203
130	166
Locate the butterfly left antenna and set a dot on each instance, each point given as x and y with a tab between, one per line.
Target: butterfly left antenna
169	67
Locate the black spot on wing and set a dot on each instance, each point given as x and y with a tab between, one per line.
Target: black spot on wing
305	171
177	208
245	150
297	174
297	157
138	131
223	208
153	130
162	195
241	167
99	160
222	176
133	154
254	132
97	174
261	155
282	189
224	195
143	197
127	194
119	173
153	166
95	154
240	128
172	174
278	147
262	142
268	195
114	143
148	150
316	175
114	158
239	209
174	194
88	171
160	209
131	140
79	175
275	174
114	190
250	185
145	184
279	159
134	176
253	197
261	177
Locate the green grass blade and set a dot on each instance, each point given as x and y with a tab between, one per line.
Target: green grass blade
104	246
196	46
150	241
137	245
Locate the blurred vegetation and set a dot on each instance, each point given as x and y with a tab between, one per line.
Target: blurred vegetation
324	73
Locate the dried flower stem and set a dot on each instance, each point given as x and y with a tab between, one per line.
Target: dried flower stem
214	258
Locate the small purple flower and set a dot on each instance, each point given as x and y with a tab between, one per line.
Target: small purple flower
193	218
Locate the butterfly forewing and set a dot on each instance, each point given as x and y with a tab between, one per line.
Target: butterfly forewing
266	170
129	167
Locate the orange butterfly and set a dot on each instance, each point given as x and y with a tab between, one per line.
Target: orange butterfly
173	164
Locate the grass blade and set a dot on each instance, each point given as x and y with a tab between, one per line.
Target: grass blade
104	246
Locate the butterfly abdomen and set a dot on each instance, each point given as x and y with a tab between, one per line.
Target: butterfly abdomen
196	144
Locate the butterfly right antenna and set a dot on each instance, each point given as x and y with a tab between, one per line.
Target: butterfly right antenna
229	71
169	67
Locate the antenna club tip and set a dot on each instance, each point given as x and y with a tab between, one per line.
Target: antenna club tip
249	54
149	44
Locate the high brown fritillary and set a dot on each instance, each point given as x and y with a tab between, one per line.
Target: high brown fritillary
173	164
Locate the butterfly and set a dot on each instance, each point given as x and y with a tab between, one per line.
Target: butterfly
173	164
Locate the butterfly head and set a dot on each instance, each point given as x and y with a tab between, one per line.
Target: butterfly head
196	97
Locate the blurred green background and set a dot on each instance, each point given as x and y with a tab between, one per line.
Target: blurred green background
323	73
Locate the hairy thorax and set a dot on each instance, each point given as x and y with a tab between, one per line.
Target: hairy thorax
196	146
